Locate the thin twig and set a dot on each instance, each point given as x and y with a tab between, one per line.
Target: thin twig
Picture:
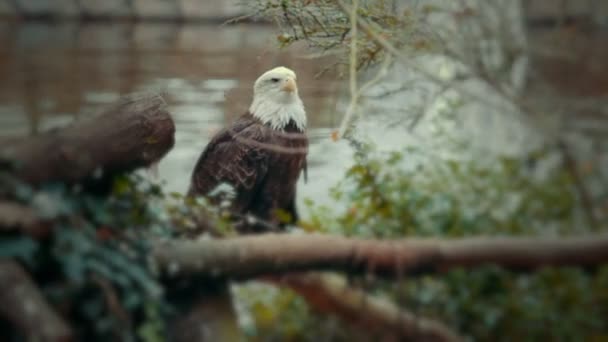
379	76
352	71
406	61
275	147
350	112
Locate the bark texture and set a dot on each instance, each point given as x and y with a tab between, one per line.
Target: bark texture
250	256
136	132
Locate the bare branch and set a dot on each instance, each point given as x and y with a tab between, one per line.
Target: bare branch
249	256
352	71
355	93
275	147
373	34
352	107
376	317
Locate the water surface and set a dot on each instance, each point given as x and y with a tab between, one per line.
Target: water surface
53	74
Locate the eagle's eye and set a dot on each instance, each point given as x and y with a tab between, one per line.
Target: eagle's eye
274	79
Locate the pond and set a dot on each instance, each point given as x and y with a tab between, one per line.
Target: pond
54	73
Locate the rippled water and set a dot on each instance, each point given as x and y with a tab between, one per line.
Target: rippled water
53	74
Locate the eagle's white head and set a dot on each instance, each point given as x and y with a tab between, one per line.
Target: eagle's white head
276	101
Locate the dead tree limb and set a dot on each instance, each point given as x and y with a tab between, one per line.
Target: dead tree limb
24	306
249	256
136	132
377	318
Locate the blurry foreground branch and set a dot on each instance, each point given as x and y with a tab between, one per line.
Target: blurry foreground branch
376	317
25	307
249	256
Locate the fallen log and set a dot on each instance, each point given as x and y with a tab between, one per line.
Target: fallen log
250	256
136	132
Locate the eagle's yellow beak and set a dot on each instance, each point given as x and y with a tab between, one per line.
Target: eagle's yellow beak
290	85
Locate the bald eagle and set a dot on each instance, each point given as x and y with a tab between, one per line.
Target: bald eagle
261	155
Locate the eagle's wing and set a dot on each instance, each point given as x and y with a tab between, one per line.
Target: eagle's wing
234	156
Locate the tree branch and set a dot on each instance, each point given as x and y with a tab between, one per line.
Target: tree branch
26	308
249	256
400	57
352	71
377	318
135	133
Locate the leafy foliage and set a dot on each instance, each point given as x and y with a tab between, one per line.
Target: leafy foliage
99	245
451	197
397	194
94	262
97	250
281	315
505	196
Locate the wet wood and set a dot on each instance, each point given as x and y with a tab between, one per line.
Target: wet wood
134	133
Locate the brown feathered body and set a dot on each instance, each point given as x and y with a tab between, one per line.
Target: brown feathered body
261	164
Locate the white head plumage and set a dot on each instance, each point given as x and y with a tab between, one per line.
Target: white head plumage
276	101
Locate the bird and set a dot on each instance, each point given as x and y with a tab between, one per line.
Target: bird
260	156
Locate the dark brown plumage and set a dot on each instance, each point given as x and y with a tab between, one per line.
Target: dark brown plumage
263	166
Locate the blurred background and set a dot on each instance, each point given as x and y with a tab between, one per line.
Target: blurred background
492	119
62	60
